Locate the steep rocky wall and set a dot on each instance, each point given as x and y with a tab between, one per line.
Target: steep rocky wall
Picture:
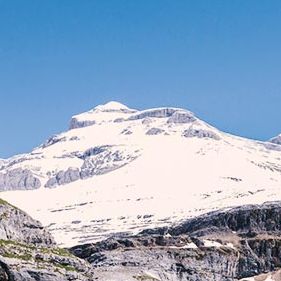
20	179
219	246
16	225
29	253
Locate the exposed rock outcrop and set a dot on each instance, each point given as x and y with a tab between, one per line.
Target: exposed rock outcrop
75	123
154	131
249	219
53	140
156	113
105	159
200	133
18	226
64	177
18	179
227	245
181	117
28	252
276	140
94	151
98	160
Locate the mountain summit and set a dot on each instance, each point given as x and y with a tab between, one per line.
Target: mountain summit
112	106
123	170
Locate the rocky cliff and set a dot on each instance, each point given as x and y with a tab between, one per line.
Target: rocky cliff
29	253
233	244
242	243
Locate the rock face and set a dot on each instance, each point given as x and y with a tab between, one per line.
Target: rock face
28	252
18	179
199	133
245	220
97	161
158	258
75	123
220	246
276	140
181	117
53	140
64	177
155	113
18	226
154	131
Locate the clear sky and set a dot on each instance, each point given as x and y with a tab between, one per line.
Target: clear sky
218	58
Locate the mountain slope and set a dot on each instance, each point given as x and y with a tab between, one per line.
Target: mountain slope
28	252
121	170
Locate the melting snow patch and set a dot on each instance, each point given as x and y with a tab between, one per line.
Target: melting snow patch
209	243
151	275
230	245
187	246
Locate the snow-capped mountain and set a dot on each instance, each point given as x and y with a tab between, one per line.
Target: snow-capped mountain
122	170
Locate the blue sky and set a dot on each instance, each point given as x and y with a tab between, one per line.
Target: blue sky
218	58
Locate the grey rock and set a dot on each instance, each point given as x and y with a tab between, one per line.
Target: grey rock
276	140
98	160
18	179
94	151
200	133
53	140
154	131
64	177
154	113
75	123
104	159
103	163
157	258
29	253
249	239
146	121
16	225
271	146
181	117
119	120
265	218
74	138
126	132
20	262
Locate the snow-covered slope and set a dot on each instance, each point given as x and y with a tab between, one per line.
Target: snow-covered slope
118	169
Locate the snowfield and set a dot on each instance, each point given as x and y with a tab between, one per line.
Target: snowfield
121	170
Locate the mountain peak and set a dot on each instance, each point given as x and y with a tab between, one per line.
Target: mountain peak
112	106
102	113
